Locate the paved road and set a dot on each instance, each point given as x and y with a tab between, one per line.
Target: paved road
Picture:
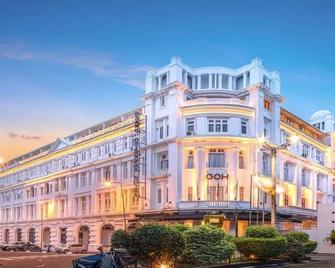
36	260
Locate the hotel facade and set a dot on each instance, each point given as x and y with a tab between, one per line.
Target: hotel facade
200	160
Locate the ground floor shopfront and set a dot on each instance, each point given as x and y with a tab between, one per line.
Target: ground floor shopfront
94	231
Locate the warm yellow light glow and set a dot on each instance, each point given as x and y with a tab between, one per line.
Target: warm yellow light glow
266	185
261	139
164	266
294	139
107	184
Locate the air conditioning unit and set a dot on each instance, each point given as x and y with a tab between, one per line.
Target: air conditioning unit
189	133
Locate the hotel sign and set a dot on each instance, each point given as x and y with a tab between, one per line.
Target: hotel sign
216	174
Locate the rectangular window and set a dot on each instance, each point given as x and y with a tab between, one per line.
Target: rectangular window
266	164
159	196
286	200
239	82
107	201
225	81
162	101
99	202
107	173
241	193
266	105
63	236
213	80
218	125
163	80
190	160
189	193
244	126
216	158
303	202
241	161
204	81
305	150
212	193
190	123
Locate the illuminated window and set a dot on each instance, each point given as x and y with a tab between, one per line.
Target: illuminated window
241	160
266	105
286	200
303	202
241	193
190	160
190	193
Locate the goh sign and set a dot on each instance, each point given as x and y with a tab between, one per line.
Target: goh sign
216	174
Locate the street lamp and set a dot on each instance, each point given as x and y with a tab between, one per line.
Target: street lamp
273	149
109	184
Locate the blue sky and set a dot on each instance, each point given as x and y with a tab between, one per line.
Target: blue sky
65	65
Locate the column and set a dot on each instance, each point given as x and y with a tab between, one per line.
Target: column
200	168
230	82
298	185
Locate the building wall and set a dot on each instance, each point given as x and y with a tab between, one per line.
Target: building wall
198	122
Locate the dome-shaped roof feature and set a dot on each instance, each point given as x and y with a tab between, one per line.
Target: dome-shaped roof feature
321	115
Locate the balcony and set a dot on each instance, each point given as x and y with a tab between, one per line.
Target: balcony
160	172
220	101
213	205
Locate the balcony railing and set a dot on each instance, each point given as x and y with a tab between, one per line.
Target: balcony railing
160	172
199	101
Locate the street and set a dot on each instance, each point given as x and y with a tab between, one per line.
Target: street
36	260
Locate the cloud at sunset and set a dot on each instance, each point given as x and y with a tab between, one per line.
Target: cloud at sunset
23	136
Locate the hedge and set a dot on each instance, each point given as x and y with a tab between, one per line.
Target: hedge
298	245
261	232
261	248
206	244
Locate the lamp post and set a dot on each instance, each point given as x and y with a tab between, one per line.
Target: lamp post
274	149
108	184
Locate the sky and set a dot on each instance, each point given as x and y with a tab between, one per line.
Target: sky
66	65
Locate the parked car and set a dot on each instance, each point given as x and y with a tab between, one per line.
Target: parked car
75	248
17	246
52	248
4	247
31	247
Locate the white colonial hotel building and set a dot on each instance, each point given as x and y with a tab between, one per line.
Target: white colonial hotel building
200	156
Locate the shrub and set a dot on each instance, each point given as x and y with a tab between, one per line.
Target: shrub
120	239
206	244
154	243
261	248
331	237
310	246
298	245
180	227
297	236
261	231
295	251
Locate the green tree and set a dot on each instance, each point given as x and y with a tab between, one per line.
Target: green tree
155	243
120	239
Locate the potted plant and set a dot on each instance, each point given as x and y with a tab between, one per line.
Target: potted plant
331	237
